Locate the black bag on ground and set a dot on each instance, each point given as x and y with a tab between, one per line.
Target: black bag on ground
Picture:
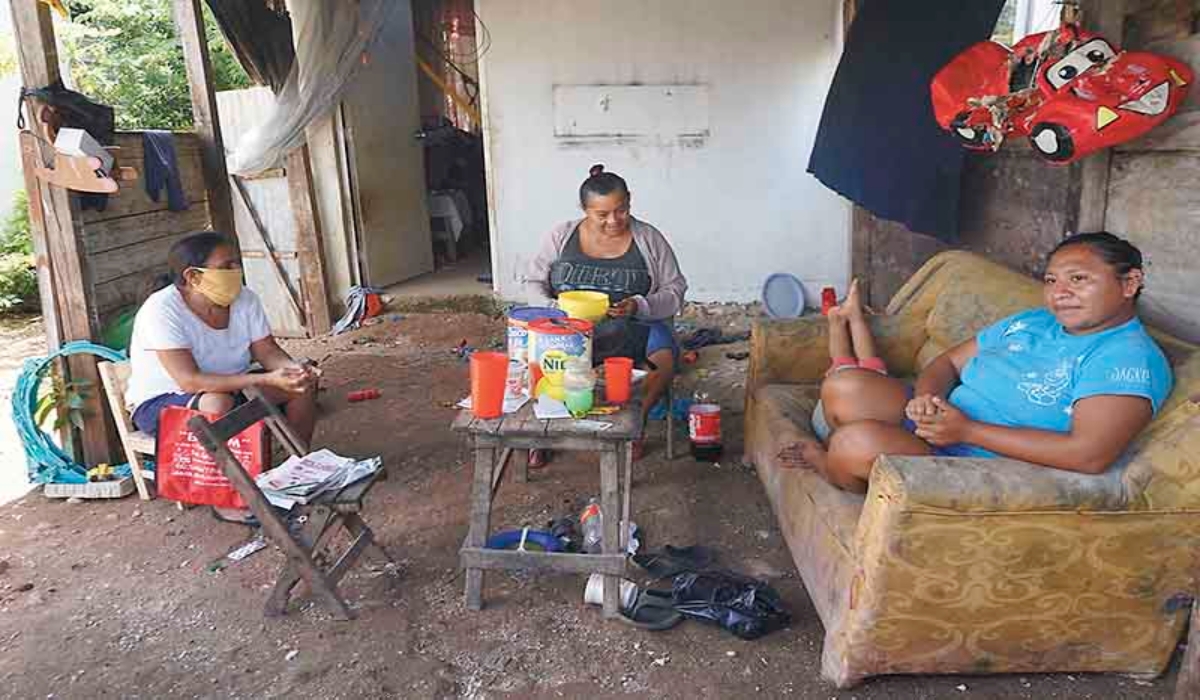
74	110
746	607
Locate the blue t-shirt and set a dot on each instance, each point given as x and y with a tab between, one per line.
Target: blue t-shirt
1029	372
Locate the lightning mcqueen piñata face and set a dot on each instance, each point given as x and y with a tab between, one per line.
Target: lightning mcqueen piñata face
1070	92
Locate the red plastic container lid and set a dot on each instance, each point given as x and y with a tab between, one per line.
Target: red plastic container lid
561	326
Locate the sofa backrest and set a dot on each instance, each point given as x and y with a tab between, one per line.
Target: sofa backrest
960	293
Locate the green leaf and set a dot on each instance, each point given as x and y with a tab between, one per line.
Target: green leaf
44	407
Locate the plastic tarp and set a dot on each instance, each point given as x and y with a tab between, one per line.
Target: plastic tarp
333	40
261	37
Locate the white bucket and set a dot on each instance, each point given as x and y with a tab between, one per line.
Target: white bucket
593	593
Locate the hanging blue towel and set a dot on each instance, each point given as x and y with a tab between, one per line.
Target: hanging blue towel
878	143
162	169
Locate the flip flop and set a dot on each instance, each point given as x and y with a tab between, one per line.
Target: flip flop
672	561
652	610
249	520
538	459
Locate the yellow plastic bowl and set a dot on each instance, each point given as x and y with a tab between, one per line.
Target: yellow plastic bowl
589	306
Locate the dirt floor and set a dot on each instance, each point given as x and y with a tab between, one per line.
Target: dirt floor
117	600
20	338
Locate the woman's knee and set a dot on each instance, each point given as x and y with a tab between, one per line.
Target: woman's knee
306	402
663	362
216	403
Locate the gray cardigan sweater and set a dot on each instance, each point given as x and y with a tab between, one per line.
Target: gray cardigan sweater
667	283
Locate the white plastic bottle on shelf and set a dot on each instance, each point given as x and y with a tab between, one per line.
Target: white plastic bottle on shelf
591	523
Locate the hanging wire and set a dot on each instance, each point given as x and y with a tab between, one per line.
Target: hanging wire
45	460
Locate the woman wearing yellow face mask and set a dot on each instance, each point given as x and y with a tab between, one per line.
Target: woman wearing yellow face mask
194	339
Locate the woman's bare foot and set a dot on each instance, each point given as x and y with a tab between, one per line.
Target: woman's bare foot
852	305
805	453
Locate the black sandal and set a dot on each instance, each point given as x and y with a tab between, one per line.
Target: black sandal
249	519
672	561
652	610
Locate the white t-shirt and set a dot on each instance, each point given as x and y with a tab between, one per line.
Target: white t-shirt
165	322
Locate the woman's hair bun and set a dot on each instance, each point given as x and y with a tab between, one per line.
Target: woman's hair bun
596	169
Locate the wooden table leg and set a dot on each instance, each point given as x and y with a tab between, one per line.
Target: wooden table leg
627	459
610	505
481	512
521	475
1188	684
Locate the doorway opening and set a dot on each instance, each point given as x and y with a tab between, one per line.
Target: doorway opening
450	40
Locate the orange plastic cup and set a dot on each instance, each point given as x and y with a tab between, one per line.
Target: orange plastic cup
618	379
489	376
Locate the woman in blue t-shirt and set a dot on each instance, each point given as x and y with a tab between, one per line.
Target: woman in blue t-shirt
1067	386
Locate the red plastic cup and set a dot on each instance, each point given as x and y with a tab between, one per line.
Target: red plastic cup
489	376
618	379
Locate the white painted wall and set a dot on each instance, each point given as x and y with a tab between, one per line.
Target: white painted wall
10	156
737	205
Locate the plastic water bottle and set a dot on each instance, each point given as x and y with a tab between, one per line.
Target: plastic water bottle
591	522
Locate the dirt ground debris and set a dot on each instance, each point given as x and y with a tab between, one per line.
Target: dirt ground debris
116	599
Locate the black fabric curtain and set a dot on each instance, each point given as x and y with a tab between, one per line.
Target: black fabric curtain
260	36
878	143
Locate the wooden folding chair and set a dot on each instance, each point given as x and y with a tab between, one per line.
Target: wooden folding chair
115	377
322	518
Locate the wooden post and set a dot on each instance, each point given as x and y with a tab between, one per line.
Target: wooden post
54	219
308	242
189	23
1187	686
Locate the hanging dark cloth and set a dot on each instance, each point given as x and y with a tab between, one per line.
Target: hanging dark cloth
260	36
162	169
878	143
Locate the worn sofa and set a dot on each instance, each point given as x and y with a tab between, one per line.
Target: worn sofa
980	566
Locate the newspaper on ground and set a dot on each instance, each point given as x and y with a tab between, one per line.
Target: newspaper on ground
302	479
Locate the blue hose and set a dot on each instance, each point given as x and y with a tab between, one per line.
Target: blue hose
46	462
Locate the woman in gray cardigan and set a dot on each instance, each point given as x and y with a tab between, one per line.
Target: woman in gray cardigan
610	251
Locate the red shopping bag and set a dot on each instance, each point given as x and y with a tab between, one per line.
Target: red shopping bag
186	472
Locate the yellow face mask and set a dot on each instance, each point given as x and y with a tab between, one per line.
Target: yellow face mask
221	287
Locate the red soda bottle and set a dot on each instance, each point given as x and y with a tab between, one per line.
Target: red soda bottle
828	300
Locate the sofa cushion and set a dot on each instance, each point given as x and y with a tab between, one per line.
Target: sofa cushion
982	293
789	408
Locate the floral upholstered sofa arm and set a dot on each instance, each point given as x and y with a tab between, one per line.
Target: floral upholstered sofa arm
982	485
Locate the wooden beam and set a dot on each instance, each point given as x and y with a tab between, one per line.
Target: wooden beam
308	242
1089	191
268	251
1188	684
55	219
189	22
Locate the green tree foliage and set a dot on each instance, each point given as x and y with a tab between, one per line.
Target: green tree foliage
14	230
18	276
125	53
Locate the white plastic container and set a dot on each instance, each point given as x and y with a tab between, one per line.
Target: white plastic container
593	594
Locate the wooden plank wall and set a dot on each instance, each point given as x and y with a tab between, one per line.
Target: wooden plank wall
1014	208
1154	185
126	244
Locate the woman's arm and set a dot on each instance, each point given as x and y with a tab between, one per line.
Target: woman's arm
669	284
939	378
268	354
1101	428
537	275
181	365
